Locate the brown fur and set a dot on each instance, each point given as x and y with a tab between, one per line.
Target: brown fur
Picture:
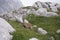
27	25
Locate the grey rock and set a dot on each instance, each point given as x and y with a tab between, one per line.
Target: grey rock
51	38
50	14
41	12
6	25
54	9
37	4
4	34
42	31
5	30
58	31
33	39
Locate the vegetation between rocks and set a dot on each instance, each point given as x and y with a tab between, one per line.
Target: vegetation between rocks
50	24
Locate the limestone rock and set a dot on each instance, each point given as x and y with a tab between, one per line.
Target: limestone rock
19	18
6	25
50	14
42	31
58	31
33	39
54	9
41	12
44	5
5	30
4	34
37	4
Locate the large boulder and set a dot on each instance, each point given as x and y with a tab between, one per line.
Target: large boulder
31	11
53	4
48	5
37	4
58	6
4	34
19	18
50	14
6	25
41	12
54	9
44	5
5	30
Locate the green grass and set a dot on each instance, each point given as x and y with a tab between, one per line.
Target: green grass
50	24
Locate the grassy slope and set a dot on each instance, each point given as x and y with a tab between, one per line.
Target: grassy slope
50	24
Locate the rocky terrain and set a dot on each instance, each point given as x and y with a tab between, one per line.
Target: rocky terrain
41	21
46	9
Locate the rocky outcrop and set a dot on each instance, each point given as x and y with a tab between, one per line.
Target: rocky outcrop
37	4
54	9
6	25
39	8
50	14
4	34
41	12
5	30
48	5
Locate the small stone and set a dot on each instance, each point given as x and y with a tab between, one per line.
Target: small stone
34	25
52	38
33	39
58	31
42	31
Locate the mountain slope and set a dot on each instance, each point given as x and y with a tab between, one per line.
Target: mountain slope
51	24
